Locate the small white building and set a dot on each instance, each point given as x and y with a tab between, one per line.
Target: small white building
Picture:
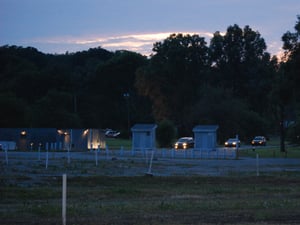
143	136
205	137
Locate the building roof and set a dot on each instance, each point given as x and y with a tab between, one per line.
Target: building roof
205	128
143	127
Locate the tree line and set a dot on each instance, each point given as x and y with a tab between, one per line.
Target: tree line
232	81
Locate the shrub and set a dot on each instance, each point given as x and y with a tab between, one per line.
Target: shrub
165	133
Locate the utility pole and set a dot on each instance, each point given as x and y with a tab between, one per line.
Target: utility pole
127	96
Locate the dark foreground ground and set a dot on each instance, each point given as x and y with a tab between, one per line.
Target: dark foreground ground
118	190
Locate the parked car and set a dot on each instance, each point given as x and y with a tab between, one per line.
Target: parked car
112	133
232	142
259	140
184	143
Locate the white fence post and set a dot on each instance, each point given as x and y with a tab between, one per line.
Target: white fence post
47	154
150	164
257	164
39	152
96	155
64	199
69	159
122	151
47	157
107	152
6	154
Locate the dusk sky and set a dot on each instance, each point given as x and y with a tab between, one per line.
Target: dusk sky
57	26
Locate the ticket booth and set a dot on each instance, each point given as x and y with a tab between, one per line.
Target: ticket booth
143	136
205	137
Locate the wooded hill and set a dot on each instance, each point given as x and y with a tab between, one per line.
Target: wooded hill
232	81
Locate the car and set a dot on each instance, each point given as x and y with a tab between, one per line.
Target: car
184	143
232	142
259	140
112	133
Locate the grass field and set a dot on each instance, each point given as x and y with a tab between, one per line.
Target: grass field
155	200
117	143
272	150
31	194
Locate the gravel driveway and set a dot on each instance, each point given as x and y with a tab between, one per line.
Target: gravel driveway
33	166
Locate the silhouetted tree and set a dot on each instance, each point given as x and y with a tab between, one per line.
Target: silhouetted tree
14	111
240	63
289	93
173	75
111	81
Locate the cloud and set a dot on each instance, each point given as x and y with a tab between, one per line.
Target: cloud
275	48
141	43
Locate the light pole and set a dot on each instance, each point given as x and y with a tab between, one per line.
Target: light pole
127	96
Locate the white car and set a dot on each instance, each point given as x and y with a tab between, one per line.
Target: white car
232	142
112	133
184	143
